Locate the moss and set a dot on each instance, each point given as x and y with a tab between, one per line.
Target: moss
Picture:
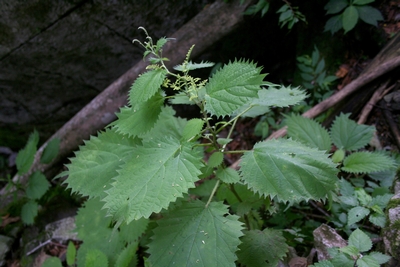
393	203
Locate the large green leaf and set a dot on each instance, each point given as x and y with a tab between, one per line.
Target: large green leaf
26	156
232	86
350	18
196	235
139	119
369	15
308	131
146	86
37	185
348	135
158	172
96	163
269	245
360	240
167	125
288	170
365	162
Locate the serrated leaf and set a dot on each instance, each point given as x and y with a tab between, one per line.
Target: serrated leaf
381	200
334	24
127	256
352	251
95	258
50	151
71	253
232	86
363	197
160	43
192	128
346	189
96	163
269	245
378	219
349	135
167	125
193	66
282	97
288	170
356	214
308	131
365	162
158	172
367	261
139	119
323	263
29	211
370	15
26	155
379	257
215	159
228	175
37	185
146	86
360	240
196	235
335	6
350	18
52	262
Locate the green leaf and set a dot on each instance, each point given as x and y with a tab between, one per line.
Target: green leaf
282	97
349	135
288	170
215	159
146	86
370	15
360	240
50	151
338	156
52	262
350	18
379	257
356	214
362	2
71	253
158	172
90	173
307	77
160	43
37	185
305	68
352	251
365	162
192	66
26	155
335	6
29	211
320	66
308	132
363	197
269	245
139	119
192	128
95	258
167	125
378	219
367	261
232	86
127	256
323	263
228	175
334	24
196	235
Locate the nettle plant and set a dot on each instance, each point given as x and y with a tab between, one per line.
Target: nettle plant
150	167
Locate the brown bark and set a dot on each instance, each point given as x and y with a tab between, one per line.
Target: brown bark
213	23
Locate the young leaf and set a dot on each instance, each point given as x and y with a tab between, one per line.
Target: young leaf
37	185
50	151
369	15
96	163
52	262
192	128
349	135
196	235
158	173
26	156
232	86
356	214
139	119
228	175
365	162
309	132
269	245
29	212
360	240
350	18
146	86
215	159
71	253
288	170
367	261
192	66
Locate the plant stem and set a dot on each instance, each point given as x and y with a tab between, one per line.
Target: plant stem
213	193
